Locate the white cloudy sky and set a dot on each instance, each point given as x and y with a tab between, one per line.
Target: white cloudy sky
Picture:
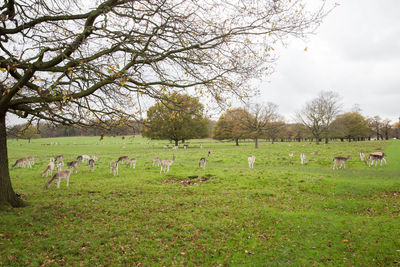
355	52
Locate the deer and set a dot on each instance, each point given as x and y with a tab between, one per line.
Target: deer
23	162
185	146
165	164
91	164
341	160
374	157
49	169
58	176
175	147
251	161
303	158
85	157
166	146
123	159
315	153
73	164
209	153
131	163
114	167
59	157
291	154
201	146
362	156
60	165
79	159
95	158
31	160
202	163
157	161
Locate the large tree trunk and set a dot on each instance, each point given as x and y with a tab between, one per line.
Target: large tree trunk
256	142
176	142
7	194
237	141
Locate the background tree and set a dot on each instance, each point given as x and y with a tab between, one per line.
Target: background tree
96	61
350	125
375	124
258	118
231	125
179	117
396	129
318	114
29	131
386	126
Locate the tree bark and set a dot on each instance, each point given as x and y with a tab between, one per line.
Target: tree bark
256	142
176	142
7	194
237	141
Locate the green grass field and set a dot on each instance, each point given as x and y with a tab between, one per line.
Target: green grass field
279	213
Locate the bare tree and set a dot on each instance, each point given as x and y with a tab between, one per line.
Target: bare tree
375	123
80	62
318	114
259	119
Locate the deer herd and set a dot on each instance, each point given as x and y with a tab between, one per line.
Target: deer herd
58	163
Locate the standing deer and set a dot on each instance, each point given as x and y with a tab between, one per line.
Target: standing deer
24	162
79	159
251	161
157	161
362	156
341	160
59	157
73	164
31	160
60	165
165	164
114	167
58	176
131	163
303	158
374	157
202	163
85	157
123	159
49	169
91	164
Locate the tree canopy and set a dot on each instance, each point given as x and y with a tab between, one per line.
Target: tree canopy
230	125
350	125
181	118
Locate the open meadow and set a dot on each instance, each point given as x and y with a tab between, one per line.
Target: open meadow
279	213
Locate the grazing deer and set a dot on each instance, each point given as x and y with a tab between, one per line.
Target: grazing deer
60	165
303	158
123	159
202	163
59	157
24	162
374	157
73	164
91	164
79	159
31	160
209	153
85	157
49	169
251	161
175	147
131	163
341	160
165	164
58	176
185	146
291	154
114	167
95	158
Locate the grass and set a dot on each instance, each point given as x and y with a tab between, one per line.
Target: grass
279	213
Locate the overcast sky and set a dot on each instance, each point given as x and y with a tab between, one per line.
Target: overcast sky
355	52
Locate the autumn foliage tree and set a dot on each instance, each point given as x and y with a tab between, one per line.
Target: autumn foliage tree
350	125
231	126
79	62
177	117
